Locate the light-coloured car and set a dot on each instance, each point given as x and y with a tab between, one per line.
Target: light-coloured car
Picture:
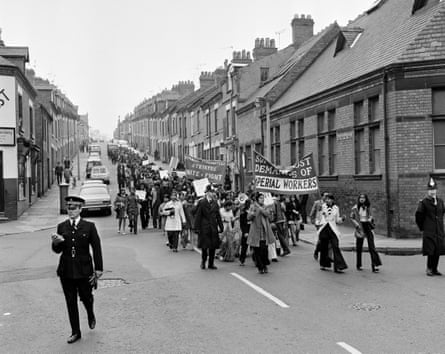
92	162
100	173
96	198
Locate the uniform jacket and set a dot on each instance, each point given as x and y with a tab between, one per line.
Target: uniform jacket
329	216
75	261
260	226
174	222
208	223
429	219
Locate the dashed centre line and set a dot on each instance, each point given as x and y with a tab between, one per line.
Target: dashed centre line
261	291
348	348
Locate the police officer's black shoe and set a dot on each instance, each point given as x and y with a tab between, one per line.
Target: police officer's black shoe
74	338
429	272
91	321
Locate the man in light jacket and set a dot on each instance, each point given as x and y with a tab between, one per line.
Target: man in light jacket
174	212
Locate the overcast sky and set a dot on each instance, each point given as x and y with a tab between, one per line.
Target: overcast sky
108	55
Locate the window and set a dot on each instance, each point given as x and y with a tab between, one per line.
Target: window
301	128
275	150
233	121
322	156
300	149
216	119
20	99
184	126
226	124
258	148
358	113
373	108
197	122
293	132
293	153
331	119
264	75
439	128
321	124
208	123
180	125
31	122
332	141
248	158
360	151
374	150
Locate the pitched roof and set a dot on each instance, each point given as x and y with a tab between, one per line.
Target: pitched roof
6	62
295	66
387	37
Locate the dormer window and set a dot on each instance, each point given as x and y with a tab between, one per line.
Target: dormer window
264	74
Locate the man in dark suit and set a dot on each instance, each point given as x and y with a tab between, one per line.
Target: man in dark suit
77	274
207	224
429	219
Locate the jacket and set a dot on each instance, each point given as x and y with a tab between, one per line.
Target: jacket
174	218
75	260
355	219
260	226
429	219
329	216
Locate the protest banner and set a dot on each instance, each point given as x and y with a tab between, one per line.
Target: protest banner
298	179
200	186
173	163
214	170
145	162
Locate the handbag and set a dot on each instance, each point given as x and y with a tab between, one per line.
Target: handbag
358	233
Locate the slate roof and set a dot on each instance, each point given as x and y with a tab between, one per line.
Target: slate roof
295	66
390	34
6	62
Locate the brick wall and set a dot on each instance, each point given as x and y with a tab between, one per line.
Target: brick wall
11	198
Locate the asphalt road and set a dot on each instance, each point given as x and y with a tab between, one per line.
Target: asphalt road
156	301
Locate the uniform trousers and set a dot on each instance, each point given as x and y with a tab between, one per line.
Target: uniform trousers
71	288
210	252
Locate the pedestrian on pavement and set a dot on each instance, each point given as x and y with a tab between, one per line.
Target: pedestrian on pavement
260	233
175	219
78	275
314	216
329	236
59	172
67	175
132	212
120	207
429	219
363	221
207	224
279	220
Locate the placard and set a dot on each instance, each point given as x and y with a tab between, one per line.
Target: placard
140	194
163	174
200	186
145	162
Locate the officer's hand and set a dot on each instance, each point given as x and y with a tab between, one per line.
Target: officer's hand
57	239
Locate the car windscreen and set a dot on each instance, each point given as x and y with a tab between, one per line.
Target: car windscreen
94	190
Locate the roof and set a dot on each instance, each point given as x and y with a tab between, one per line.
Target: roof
6	62
391	34
295	65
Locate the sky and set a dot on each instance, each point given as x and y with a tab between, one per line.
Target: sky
108	55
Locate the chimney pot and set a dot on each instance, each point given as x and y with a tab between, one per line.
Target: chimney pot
267	44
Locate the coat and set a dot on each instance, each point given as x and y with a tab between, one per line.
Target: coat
260	224
208	223
174	222
329	216
355	219
429	220
75	261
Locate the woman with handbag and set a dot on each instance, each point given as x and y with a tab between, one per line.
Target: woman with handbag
363	221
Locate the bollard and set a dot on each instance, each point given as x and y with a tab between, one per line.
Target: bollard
63	193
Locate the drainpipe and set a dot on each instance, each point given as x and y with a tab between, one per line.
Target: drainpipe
386	142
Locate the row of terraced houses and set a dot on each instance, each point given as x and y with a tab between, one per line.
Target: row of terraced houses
367	99
39	126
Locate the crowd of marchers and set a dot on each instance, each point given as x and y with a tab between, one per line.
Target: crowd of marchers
243	224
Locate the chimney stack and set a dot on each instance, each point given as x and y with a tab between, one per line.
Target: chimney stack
302	29
206	79
241	57
263	48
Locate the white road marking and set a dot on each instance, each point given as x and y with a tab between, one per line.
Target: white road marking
197	249
348	348
261	291
6	313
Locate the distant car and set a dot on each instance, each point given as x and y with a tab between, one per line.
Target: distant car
93	154
92	162
94	148
96	198
100	173
91	183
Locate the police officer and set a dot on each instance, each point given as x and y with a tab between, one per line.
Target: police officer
77	274
429	219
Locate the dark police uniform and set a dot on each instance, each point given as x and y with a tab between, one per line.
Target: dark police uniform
76	266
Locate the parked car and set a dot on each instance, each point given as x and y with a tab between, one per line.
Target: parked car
96	198
92	182
100	173
94	148
92	161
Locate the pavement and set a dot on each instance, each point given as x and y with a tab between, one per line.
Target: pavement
45	214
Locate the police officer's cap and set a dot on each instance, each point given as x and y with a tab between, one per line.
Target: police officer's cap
74	199
432	184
